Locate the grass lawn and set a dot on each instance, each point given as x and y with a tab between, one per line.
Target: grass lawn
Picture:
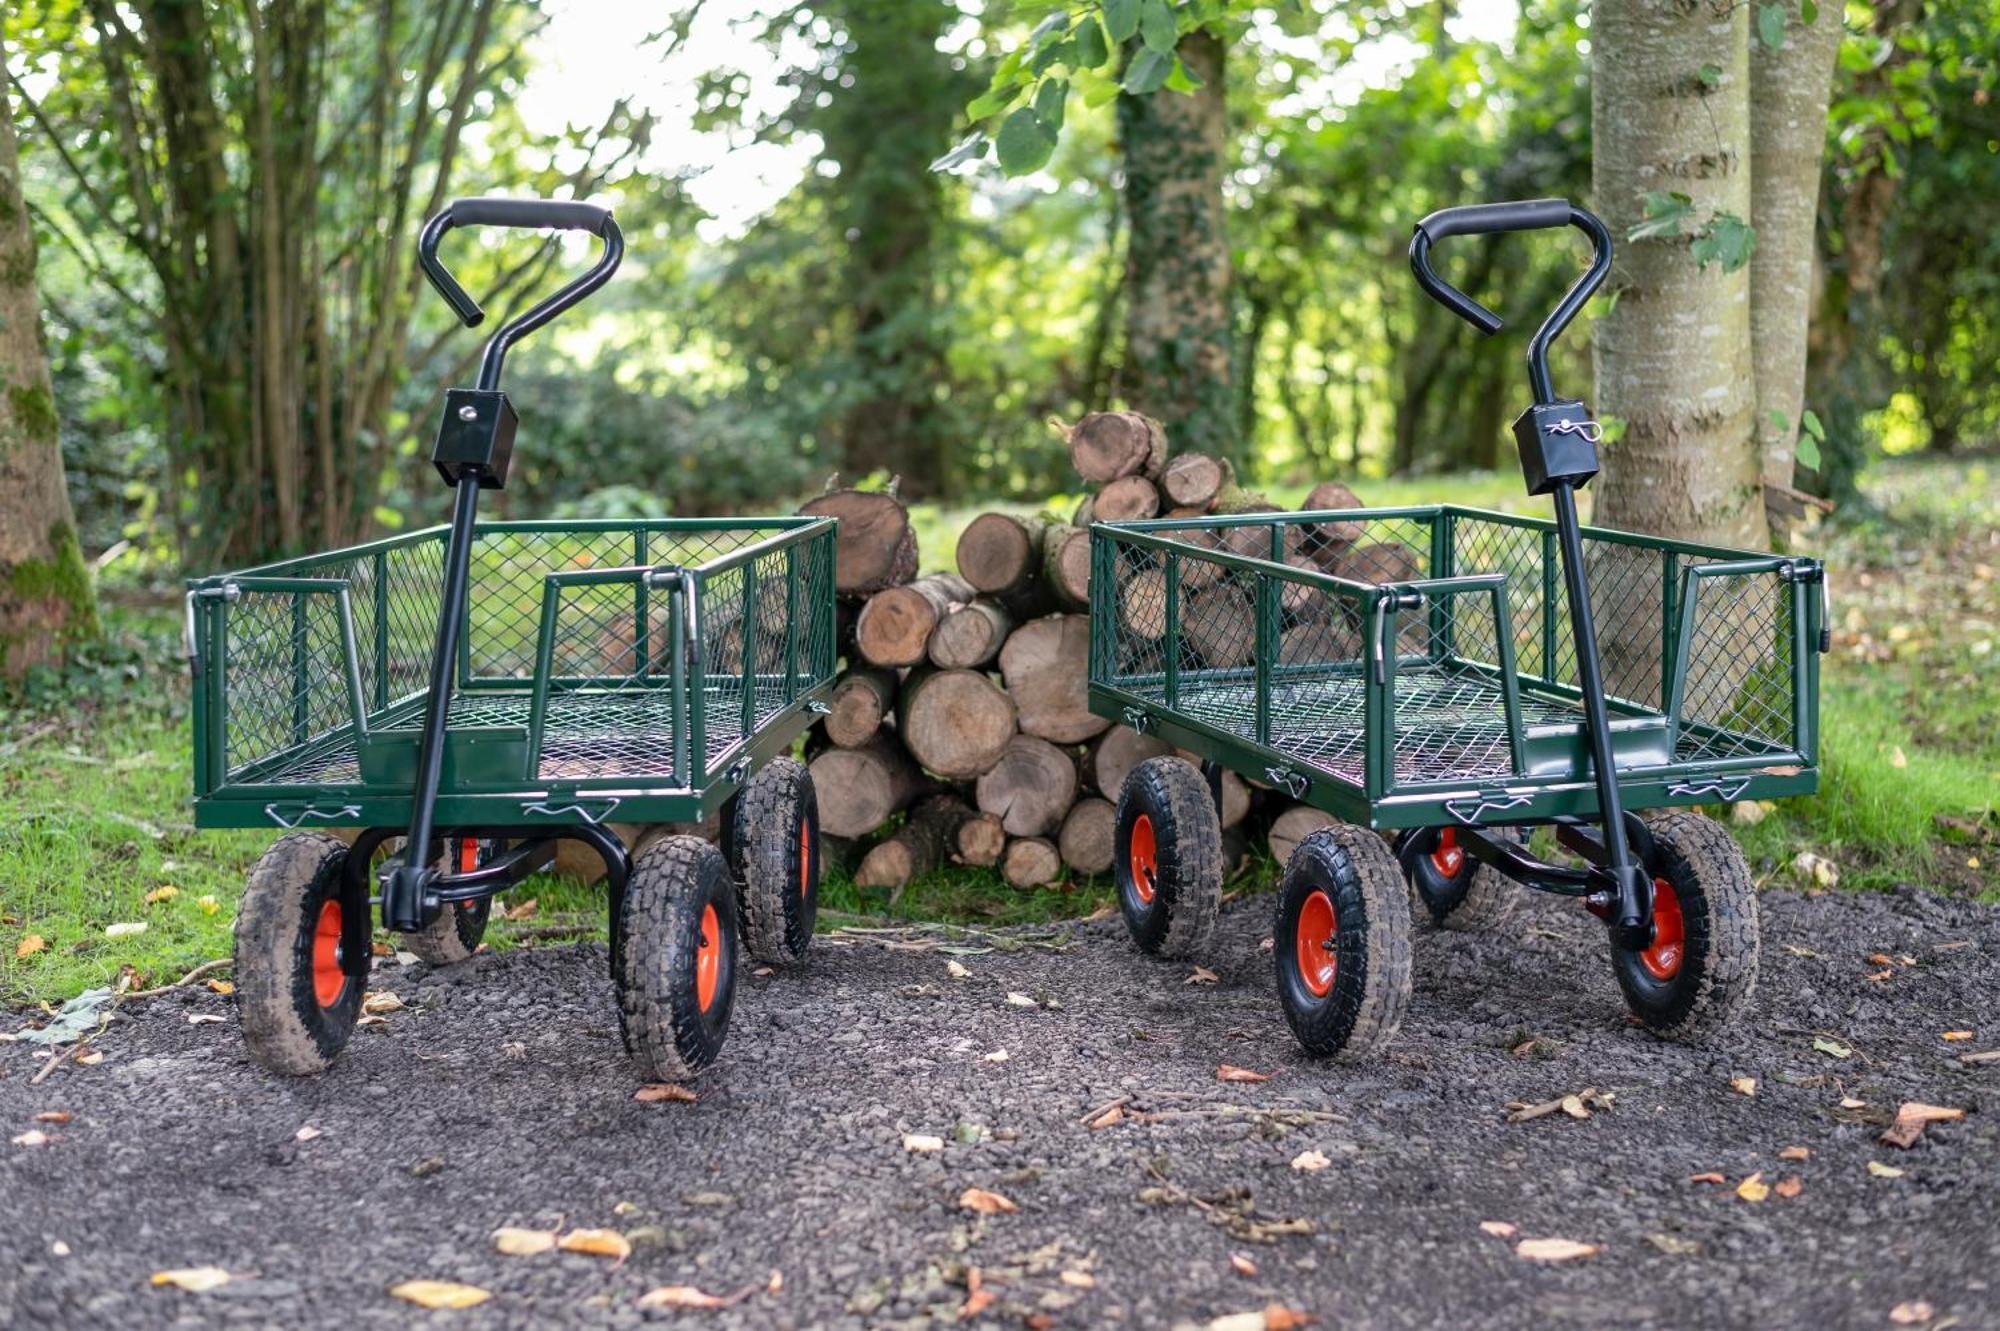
95	828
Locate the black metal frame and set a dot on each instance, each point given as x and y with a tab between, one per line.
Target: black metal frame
1618	886
412	893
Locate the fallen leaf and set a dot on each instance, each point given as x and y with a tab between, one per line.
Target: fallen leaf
32	1137
776	1284
164	892
997	1056
1958	1035
1202	975
1499	1229
378	1001
1242	1265
523	1242
125	929
439	1294
984	1202
1795	1153
1748	812
958	970
1897	758
1754	1188
1743	1085
1710	1177
1519	1111
1877	977
1238	1322
1078	1279
1277	1317
90	1058
1910	1119
1984	1056
1911	1313
1112	1115
1878	959
1553	1250
1819	870
1020	1000
53	1116
1573	1106
977	1302
1880	1170
29	945
1674	1245
922	1142
193	1279
209	905
306	1134
1228	1073
597	1243
203	1018
683	1296
1849	1102
1789	1187
656	1092
1798	951
1831	1046
223	987
1310	1162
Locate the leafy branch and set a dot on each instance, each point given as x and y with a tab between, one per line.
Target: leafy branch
1722	237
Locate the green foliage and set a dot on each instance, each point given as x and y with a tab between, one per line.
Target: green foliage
1723	238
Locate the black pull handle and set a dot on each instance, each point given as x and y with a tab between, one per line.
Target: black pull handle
1478	219
527	214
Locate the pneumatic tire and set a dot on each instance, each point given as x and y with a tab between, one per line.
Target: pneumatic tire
1700	971
676	957
302	943
1168	863
1342	944
1450	889
774	860
460	926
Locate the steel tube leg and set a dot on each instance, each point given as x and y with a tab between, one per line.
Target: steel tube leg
1632	912
406	885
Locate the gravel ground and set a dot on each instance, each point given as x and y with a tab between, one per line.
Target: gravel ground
501	1097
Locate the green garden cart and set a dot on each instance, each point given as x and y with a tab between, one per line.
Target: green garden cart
1456	678
457	700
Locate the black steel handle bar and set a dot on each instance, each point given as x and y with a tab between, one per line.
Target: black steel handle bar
1480	219
521	214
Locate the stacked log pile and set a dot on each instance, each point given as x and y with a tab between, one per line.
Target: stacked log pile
960	729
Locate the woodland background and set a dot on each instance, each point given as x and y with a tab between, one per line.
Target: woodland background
1007	211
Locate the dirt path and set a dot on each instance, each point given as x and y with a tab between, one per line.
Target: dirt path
501	1097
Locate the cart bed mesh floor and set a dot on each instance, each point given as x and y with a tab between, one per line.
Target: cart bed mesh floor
1450	724
614	734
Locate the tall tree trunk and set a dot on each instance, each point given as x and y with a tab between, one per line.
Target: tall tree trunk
1789	89
1177	313
45	593
1673	355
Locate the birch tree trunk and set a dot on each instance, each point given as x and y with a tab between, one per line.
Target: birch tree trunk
1789	90
1177	321
1673	355
45	594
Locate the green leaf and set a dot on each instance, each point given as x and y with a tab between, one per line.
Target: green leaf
1097	88
1780	421
1810	419
1711	76
1055	53
1024	143
1156	26
1727	240
1121	19
1666	212
1808	452
992	102
1771	25
970	149
1148	70
1091	48
1183	79
1808	12
1049	99
1048	28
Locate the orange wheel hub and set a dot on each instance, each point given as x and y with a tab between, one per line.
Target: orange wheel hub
468	855
1144	855
805	859
1448	859
708	960
329	979
1313	943
1663	959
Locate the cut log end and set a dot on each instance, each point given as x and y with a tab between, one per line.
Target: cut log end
876	546
1031	862
1107	445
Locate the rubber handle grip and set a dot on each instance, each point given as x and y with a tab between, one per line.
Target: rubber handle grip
1478	219
531	214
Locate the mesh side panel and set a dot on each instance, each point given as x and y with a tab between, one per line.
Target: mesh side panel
1739	671
1495	547
287	666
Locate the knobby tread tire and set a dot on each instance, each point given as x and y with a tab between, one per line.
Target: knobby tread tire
1187	898
1718	900
284	1027
668	1034
1488	901
768	861
1358	1017
453	936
